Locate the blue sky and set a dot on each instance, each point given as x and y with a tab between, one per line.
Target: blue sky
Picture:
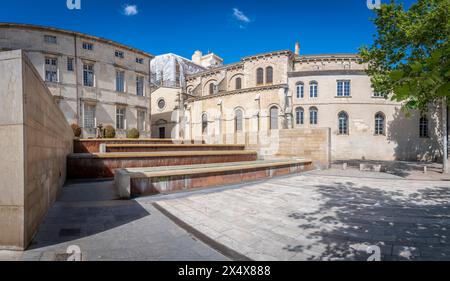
230	28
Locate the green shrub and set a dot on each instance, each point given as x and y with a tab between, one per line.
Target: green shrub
110	132
133	133
76	130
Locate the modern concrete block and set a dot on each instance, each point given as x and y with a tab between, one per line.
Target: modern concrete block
35	140
123	184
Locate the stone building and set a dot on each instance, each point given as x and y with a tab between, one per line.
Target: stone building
169	72
94	80
251	100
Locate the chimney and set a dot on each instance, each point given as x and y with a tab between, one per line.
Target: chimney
297	48
197	57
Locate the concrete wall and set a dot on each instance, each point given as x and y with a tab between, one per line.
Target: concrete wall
35	140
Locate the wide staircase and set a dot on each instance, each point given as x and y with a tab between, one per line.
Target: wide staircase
153	166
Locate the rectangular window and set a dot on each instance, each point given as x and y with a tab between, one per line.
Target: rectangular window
88	46
140	86
313	90
313	117
343	88
379	124
119	54
89	116
300	91
49	39
423	127
51	70
141	120
88	75
140	60
120	118
300	117
70	64
120	81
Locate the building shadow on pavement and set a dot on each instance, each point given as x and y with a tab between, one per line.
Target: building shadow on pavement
413	226
84	209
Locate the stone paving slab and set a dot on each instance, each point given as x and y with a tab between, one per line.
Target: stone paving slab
110	230
321	216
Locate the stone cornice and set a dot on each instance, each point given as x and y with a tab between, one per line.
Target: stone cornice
238	65
328	57
214	71
269	54
237	92
326	72
74	33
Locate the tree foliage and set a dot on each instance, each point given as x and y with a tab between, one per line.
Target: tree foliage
410	54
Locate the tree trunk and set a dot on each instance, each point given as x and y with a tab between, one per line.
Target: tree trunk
445	135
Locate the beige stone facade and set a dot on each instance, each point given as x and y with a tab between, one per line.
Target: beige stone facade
305	92
222	103
94	80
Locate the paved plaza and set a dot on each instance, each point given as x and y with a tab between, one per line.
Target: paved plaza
321	215
89	216
325	216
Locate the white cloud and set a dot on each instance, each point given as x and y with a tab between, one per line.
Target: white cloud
130	10
240	16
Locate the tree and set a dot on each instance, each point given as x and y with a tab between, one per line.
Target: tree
409	60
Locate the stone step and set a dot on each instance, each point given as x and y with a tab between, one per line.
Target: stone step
170	147
164	180
97	165
93	145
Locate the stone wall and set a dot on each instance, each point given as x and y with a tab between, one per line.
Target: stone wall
35	140
312	144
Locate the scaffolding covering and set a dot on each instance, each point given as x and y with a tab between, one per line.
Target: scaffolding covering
170	70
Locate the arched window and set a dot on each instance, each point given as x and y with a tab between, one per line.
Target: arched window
313	89
274	118
259	76
238	120
343	123
211	88
313	115
299	116
300	90
204	123
423	127
269	75
238	83
380	124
